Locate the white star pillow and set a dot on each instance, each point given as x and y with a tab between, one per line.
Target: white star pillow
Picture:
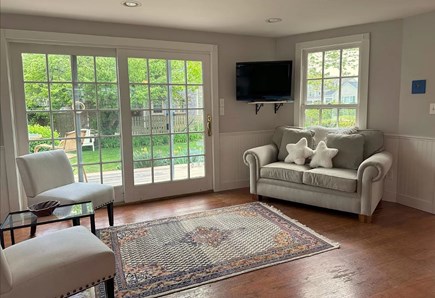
323	156
298	152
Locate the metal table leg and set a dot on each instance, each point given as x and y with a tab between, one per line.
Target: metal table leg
92	217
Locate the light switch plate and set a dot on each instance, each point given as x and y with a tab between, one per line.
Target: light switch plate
432	109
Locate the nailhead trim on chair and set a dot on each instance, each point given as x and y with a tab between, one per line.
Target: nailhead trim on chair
87	286
103	205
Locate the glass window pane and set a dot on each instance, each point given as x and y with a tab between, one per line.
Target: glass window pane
162	170
59	68
196	143
36	96
161	147
314	91
137	70
159	97
110	149
178	97
350	63
112	174
139	98
91	157
158	71
194	72
109	123
63	122
142	172
92	173
85	69
179	147
61	96
332	64
177	74
160	122
181	168
329	118
140	123
106	69
195	96
87	94
179	121
141	148
347	117
34	67
312	117
107	96
88	122
197	167
349	91
314	65
38	124
331	91
196	120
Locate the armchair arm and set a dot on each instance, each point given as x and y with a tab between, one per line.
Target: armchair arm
257	157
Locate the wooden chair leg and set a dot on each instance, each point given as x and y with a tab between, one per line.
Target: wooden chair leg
364	218
110	213
110	288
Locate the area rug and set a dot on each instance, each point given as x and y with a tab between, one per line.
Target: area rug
162	256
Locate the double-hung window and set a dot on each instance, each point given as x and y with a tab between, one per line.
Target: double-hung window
332	87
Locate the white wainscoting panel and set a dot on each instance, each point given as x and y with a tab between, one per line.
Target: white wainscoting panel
412	178
234	172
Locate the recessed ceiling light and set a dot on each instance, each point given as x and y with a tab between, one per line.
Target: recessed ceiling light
273	20
131	4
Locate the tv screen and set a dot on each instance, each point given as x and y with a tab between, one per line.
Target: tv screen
257	81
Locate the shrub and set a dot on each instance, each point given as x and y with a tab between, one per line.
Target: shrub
44	132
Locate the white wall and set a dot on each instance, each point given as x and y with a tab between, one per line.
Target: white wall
418	63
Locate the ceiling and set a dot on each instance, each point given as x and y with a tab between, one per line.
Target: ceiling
228	16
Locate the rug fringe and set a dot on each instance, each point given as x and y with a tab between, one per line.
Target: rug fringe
299	224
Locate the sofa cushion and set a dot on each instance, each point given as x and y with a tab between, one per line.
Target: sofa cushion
321	132
279	131
284	171
338	179
373	141
292	136
350	150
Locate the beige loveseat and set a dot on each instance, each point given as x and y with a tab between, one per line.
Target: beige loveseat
356	190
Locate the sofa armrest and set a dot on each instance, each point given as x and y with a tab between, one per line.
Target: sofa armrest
380	163
257	157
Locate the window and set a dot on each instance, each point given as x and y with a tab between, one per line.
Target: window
333	76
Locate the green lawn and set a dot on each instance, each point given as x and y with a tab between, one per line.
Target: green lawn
113	156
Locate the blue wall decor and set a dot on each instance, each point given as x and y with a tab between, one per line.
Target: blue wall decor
419	87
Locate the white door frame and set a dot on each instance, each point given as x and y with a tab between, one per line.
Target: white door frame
10	135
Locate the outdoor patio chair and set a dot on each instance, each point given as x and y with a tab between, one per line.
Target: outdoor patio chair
59	264
48	176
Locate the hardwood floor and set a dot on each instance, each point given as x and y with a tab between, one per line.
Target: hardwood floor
394	256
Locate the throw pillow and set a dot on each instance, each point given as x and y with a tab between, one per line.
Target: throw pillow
320	132
350	150
323	156
292	136
298	152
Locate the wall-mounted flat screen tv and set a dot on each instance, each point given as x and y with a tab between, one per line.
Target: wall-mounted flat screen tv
264	81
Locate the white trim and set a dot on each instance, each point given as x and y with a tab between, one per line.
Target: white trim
408	137
360	40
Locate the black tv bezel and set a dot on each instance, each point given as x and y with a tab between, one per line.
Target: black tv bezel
267	97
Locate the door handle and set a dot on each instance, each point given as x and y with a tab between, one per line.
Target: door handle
209	125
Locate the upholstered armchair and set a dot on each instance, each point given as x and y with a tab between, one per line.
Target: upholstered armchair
49	176
58	265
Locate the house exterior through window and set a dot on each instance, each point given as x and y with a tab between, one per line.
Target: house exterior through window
332	87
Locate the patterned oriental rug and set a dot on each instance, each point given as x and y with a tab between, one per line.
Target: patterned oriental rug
167	255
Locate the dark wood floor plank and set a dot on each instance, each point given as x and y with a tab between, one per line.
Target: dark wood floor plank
394	256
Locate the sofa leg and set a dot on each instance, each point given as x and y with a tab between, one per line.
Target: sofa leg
110	213
110	288
257	197
364	218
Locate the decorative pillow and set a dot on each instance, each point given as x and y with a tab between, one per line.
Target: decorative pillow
350	150
321	132
292	136
323	156
373	141
298	152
